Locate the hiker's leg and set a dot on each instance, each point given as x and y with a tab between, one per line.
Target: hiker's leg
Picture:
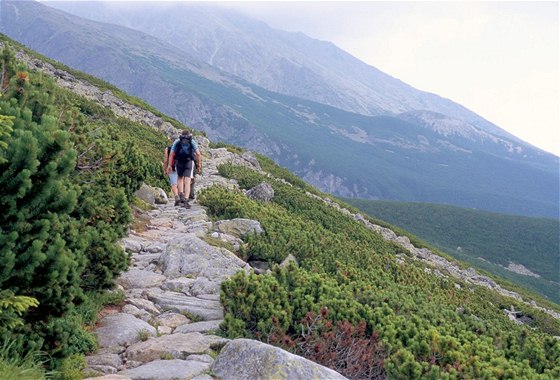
181	185
188	176
191	194
181	173
187	184
173	183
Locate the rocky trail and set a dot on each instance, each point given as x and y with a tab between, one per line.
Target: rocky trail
166	328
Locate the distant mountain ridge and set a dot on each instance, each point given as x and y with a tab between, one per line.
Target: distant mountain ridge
284	62
417	155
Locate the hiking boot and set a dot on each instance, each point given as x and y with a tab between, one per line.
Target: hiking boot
177	201
187	205
191	197
181	200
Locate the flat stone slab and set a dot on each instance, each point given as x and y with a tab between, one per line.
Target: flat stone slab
121	329
177	346
138	278
192	256
201	327
110	377
208	310
167	370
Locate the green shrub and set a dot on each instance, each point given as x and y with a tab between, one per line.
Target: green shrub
68	170
13	365
352	272
71	368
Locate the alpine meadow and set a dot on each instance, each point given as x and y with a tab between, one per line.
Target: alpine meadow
360	289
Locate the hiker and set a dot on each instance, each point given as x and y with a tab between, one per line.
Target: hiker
173	174
186	156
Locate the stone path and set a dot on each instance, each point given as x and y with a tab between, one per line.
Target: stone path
172	300
172	307
166	328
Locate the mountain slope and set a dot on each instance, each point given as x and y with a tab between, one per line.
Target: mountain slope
353	279
377	157
283	62
523	250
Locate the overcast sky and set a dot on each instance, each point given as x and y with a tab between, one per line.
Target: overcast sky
499	59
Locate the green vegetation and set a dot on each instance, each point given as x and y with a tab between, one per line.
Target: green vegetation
418	325
68	172
15	366
482	239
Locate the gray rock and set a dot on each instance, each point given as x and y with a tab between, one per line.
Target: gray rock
261	192
194	257
249	157
289	259
132	244
144	304
203	377
201	358
111	360
102	369
203	286
178	346
121	330
151	195
201	327
206	309
110	377
245	359
167	370
172	320
238	227
137	278
179	284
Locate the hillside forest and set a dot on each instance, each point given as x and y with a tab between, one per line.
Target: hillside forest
68	172
492	242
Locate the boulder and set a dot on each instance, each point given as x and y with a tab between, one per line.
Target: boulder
238	227
245	359
151	195
261	192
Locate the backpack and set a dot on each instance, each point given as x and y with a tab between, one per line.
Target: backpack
184	153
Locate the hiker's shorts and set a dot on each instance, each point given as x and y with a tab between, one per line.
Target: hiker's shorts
173	178
185	169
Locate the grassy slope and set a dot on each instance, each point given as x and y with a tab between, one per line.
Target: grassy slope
486	240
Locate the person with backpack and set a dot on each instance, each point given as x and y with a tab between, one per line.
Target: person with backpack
173	174
185	155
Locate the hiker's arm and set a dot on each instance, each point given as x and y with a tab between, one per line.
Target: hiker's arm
165	161
171	160
198	158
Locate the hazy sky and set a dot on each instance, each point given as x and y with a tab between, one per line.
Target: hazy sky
500	59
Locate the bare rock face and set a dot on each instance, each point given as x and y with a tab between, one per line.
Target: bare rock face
261	192
238	227
245	359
